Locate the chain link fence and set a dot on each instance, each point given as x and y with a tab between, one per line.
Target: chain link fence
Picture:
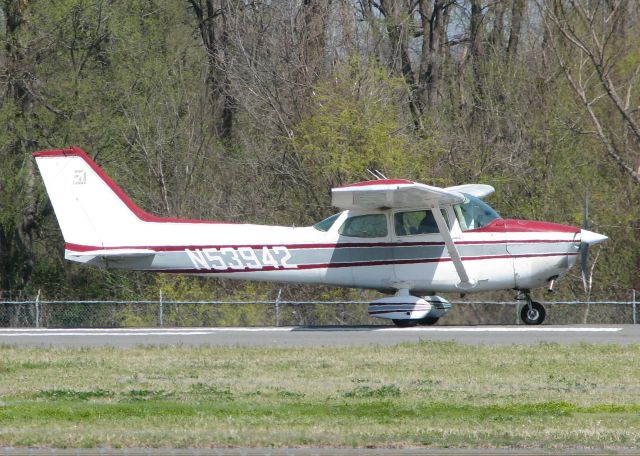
160	313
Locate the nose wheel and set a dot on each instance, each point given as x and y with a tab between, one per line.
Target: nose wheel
532	313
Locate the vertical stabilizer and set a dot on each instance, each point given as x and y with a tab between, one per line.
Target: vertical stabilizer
91	209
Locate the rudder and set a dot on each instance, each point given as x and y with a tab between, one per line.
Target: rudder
91	209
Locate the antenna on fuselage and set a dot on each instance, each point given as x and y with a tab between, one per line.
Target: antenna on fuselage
377	174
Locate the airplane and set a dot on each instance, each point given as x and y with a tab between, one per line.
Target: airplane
400	237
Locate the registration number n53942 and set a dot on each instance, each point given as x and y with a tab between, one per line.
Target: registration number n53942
241	258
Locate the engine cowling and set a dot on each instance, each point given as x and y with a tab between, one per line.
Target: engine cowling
409	307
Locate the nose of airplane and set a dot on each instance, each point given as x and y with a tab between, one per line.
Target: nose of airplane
591	238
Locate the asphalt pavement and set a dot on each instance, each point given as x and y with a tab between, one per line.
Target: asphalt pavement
305	336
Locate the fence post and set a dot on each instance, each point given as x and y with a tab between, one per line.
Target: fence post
633	294
38	309
278	307
161	310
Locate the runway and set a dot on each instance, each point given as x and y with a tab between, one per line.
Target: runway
304	336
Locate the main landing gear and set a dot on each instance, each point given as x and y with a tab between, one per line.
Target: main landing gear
532	313
426	321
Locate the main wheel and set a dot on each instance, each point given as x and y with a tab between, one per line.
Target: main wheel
428	321
405	323
533	314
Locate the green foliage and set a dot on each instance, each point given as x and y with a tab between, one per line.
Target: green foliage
357	124
132	83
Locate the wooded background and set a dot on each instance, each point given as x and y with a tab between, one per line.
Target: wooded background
250	111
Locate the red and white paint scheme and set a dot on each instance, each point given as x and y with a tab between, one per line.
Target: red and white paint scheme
395	236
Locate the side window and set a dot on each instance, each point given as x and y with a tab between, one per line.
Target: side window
366	226
417	222
464	213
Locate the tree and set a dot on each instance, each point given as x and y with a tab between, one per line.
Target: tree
21	210
212	17
604	74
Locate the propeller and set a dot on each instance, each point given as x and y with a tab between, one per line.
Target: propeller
584	246
587	239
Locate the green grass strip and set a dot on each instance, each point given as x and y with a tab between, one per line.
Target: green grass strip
425	394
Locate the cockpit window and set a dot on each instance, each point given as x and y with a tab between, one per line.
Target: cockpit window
327	223
474	213
365	226
417	222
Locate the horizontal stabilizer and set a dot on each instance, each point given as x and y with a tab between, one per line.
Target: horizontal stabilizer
111	254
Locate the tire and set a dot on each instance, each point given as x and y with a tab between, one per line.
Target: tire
428	321
405	323
533	316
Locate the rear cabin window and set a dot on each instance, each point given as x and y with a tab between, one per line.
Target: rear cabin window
365	226
327	223
417	222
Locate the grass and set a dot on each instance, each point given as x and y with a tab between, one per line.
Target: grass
436	394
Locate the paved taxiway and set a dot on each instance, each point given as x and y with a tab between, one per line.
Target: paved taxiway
300	336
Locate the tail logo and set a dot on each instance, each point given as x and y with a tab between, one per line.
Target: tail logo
79	177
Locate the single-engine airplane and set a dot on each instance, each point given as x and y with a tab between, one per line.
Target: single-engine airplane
392	235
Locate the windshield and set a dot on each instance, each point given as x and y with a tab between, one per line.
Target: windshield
327	223
474	213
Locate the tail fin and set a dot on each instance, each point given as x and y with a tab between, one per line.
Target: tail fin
91	209
97	219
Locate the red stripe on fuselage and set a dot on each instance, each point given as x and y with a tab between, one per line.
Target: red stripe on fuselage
179	248
357	264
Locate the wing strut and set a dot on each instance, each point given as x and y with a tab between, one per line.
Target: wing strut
466	283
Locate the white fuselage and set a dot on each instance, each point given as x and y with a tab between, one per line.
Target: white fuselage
496	258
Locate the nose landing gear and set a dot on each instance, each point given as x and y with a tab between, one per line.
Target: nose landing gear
532	313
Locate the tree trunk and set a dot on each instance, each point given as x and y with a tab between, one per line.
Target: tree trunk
395	12
314	36
496	39
517	16
476	55
17	249
433	23
213	31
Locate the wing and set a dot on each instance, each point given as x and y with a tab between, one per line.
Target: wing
406	194
477	190
392	193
